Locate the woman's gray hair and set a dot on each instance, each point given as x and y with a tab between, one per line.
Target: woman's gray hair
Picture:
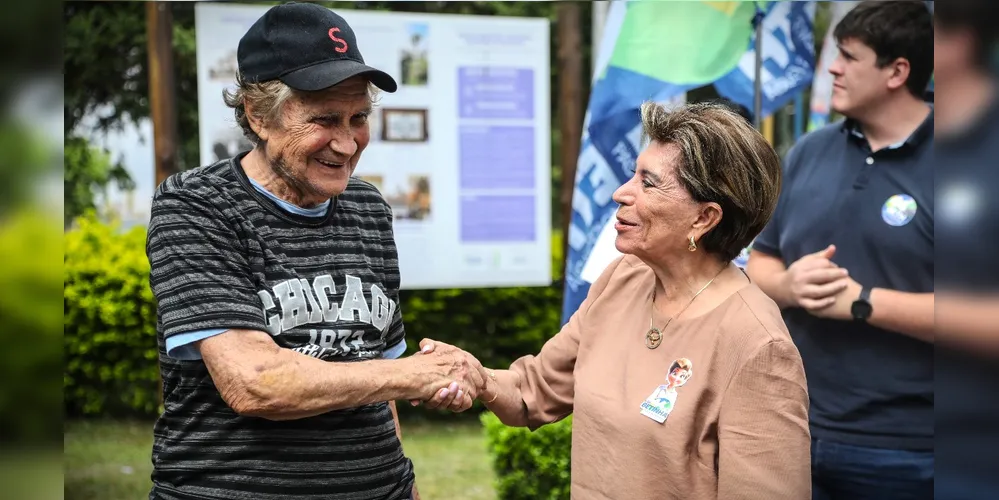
266	100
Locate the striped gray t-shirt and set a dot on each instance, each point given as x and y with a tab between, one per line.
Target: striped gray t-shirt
225	256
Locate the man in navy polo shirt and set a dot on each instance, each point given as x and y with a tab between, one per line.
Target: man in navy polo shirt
967	149
849	256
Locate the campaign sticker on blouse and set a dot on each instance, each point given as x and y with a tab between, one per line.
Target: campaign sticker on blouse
660	404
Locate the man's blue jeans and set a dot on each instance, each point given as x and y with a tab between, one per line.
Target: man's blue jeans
847	472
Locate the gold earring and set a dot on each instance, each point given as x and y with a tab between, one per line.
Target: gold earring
692	246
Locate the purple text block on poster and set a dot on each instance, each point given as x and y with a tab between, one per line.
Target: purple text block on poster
486	92
492	157
497	218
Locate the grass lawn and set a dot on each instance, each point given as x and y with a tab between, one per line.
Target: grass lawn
34	474
110	460
451	460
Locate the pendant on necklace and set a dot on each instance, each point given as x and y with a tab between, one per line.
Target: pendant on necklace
653	338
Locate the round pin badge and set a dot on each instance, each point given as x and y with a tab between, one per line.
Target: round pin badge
899	210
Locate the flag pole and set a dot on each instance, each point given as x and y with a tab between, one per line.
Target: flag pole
600	8
757	83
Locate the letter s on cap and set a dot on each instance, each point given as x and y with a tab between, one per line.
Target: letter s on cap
338	40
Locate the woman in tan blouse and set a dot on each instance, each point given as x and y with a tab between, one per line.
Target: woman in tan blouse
680	373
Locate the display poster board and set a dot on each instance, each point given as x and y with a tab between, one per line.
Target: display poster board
461	152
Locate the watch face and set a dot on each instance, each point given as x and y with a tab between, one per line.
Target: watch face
861	310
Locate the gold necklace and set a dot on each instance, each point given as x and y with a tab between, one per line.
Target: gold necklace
654	336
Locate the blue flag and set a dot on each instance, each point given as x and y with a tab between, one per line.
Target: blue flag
788	59
641	61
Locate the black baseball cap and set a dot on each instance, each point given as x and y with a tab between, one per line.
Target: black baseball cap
307	47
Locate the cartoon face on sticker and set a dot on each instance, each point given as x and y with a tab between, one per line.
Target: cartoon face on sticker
660	404
899	210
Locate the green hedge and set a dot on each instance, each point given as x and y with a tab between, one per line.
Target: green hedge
109	323
29	306
530	465
497	325
110	338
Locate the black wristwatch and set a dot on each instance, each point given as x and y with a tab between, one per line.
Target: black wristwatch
861	308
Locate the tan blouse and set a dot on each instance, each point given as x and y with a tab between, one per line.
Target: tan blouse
737	428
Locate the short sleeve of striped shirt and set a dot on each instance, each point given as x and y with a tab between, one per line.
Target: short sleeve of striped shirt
199	272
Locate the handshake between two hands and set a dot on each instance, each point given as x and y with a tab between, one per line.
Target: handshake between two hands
457	378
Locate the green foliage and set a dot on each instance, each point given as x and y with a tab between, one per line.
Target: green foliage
105	63
497	325
31	358
105	66
24	157
27	28
109	322
530	465
88	169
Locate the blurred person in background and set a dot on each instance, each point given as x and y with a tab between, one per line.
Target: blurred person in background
680	375
277	282
849	257
743	111
966	46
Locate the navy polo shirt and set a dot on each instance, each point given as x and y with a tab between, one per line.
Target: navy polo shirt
867	386
968	231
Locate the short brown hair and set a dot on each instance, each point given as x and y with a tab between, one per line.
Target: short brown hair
724	160
895	29
682	364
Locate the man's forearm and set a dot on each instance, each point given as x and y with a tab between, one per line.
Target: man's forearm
281	384
906	313
502	397
306	387
767	272
771	284
969	322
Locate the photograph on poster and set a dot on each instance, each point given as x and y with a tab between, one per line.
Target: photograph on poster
224	69
404	125
409	197
375	123
413	58
375	180
228	142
